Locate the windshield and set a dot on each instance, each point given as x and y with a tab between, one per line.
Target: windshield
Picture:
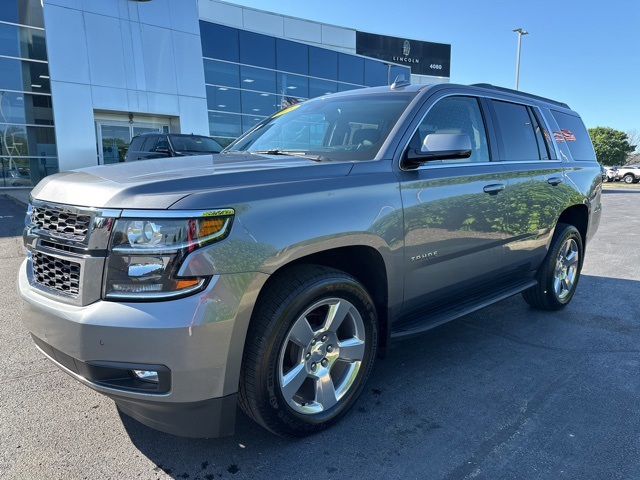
335	128
194	143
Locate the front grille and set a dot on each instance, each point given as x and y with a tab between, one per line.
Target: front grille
56	274
61	224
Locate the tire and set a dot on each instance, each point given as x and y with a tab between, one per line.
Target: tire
628	179
310	348
559	273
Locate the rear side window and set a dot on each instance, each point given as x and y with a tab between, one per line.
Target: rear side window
575	135
150	144
136	144
523	139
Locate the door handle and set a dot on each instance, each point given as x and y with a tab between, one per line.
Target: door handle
555	181
494	188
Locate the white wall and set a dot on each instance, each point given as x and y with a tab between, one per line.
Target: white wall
124	56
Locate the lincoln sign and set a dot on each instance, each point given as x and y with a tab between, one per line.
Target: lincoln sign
424	58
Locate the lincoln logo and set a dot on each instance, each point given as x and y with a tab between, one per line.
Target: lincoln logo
406	48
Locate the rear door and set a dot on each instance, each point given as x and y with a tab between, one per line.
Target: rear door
537	191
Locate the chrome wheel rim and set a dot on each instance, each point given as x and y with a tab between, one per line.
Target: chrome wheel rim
321	356
566	270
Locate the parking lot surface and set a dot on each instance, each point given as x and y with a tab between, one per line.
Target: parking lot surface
506	393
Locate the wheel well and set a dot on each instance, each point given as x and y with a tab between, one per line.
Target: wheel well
367	266
578	216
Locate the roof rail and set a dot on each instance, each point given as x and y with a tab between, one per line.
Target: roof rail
518	92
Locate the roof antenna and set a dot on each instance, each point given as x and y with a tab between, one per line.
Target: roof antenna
399	82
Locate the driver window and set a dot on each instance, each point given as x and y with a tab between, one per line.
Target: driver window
455	115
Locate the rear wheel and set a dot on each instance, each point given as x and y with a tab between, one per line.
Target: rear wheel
560	271
309	351
628	178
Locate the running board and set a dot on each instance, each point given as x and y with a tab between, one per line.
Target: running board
472	302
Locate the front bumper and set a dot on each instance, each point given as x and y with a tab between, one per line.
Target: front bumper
191	340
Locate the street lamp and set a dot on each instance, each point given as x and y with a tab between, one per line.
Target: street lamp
521	32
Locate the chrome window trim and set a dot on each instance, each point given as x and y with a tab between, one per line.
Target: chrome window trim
541	117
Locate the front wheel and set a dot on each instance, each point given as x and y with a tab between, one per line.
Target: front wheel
309	351
560	271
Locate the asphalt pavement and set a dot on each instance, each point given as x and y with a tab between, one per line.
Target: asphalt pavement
506	393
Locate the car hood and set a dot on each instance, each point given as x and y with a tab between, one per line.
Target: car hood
160	183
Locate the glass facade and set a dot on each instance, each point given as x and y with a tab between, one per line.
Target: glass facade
249	76
27	137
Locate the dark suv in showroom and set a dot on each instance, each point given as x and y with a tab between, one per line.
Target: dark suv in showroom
158	145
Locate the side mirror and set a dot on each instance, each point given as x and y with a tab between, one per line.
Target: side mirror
163	150
440	146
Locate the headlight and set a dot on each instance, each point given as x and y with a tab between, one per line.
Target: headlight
147	250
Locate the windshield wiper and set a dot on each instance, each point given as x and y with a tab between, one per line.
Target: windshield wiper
289	153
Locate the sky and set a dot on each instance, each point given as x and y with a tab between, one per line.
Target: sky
583	53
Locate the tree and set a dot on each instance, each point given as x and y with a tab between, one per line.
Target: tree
612	146
633	137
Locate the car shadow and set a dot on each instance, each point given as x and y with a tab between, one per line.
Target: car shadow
442	402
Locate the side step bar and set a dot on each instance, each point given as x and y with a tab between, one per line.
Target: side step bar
472	302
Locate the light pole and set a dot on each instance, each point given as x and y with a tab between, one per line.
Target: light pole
521	32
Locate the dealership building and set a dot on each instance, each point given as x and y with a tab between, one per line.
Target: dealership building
80	78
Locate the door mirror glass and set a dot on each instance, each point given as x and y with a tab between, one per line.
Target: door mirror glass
446	145
440	146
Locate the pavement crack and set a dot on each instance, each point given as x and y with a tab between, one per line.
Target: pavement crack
16	379
516	339
469	467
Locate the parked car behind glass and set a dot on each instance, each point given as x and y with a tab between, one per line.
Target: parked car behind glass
159	145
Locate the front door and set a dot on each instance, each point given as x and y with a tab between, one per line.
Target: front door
455	210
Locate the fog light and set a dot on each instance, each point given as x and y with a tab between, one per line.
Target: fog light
146	375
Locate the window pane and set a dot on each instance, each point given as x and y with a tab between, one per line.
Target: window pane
395	70
256	49
249	121
264	104
350	69
258	79
323	63
21	141
575	135
455	115
518	137
25	108
150	144
16	172
292	56
224	99
375	73
24	12
219	41
22	42
318	87
221	73
20	75
343	87
293	85
222	125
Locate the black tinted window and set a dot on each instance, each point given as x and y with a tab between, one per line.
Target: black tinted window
136	144
575	135
150	144
256	49
292	57
517	132
219	41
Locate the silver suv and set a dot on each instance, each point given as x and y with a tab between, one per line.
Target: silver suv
272	275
